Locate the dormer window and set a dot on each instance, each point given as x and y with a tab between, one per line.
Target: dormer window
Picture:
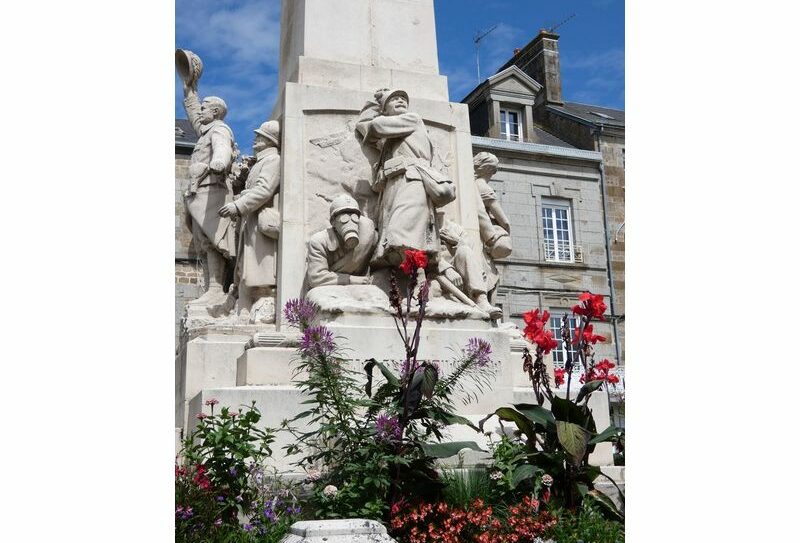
509	125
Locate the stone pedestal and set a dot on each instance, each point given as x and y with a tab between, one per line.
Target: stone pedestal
337	531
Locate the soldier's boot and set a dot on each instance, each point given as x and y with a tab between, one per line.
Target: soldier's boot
483	304
216	275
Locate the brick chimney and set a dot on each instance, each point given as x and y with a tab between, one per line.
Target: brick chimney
539	59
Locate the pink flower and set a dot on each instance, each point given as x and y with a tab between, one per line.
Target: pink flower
201	416
212	402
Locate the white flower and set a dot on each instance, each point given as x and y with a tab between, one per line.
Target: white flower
330	491
495	475
547	480
313	475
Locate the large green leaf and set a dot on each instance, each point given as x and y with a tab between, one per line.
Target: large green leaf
607	504
587	389
537	414
574	439
606	435
450	418
429	379
446	450
568	411
524	424
522	473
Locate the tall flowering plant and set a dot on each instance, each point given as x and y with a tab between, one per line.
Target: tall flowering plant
560	439
370	443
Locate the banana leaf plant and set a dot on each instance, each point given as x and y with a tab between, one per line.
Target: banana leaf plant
559	440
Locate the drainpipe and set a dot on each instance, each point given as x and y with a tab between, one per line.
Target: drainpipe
597	134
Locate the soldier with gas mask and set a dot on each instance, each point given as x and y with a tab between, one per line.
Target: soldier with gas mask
340	254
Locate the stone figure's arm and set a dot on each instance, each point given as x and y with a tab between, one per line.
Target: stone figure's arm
262	191
393	126
191	103
221	150
368	112
493	207
319	274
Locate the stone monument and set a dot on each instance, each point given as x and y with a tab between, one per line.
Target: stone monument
375	159
210	165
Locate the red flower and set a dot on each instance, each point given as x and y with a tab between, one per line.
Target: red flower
413	261
559	376
592	306
587	334
604	365
535	332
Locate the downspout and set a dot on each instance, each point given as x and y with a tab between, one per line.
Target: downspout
597	134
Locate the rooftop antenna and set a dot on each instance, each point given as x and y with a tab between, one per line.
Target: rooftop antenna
478	37
553	28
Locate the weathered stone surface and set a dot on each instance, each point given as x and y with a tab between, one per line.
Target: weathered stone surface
337	531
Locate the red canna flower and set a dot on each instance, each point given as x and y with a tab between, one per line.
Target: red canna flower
413	261
559	376
592	306
588	335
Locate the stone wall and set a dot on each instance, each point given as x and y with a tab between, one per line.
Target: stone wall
527	280
188	271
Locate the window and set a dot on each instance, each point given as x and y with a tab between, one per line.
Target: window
560	352
509	125
557	226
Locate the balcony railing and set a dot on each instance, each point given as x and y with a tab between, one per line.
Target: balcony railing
561	253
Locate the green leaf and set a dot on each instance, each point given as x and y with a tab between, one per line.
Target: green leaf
587	389
522	473
429	379
450	418
537	414
607	504
568	411
524	424
606	435
446	450
574	439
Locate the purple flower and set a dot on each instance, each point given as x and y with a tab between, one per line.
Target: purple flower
316	341
184	514
220	498
218	522
387	428
293	510
479	350
299	312
233	472
247	527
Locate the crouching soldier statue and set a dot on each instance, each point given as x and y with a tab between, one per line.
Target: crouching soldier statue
340	254
460	271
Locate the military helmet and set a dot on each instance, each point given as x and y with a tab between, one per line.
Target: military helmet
342	203
388	93
270	130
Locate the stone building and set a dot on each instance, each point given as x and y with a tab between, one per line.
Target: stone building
562	183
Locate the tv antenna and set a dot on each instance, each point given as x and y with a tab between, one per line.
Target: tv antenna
562	23
478	37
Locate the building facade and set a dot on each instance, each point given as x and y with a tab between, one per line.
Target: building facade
562	183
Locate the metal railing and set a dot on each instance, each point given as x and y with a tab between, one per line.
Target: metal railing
568	253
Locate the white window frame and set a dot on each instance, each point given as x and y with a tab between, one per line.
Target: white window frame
561	351
556	250
505	125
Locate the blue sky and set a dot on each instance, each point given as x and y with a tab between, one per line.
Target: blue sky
238	41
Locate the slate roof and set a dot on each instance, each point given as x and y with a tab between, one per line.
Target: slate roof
546	138
597	115
184	133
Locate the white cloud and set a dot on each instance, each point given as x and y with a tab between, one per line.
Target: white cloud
238	41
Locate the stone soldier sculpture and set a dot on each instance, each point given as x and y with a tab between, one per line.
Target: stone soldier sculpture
260	225
460	267
211	161
341	253
408	176
492	221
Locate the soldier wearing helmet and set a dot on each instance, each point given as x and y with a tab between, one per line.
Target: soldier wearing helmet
340	254
257	205
409	177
